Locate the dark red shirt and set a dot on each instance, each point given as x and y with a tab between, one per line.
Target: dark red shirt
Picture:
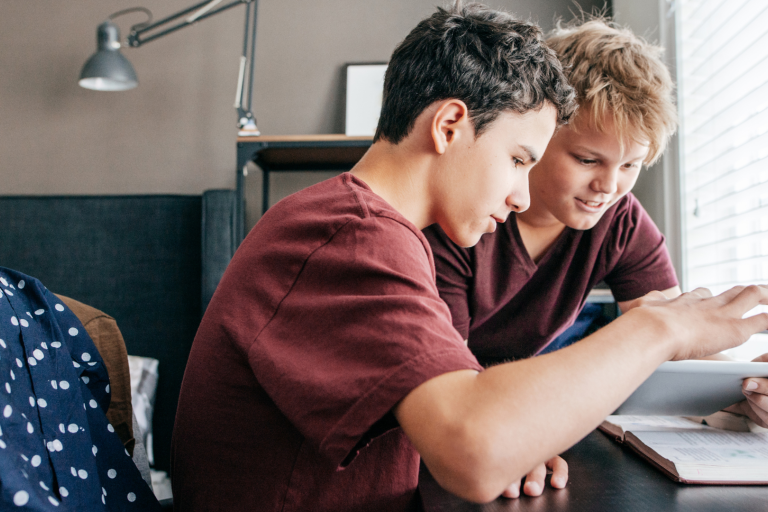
327	317
509	307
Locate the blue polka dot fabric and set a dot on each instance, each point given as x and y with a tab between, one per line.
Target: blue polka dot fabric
57	449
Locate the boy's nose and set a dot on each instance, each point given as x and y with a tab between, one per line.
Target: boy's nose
606	183
519	200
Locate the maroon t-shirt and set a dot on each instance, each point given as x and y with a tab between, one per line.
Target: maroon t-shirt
327	316
509	307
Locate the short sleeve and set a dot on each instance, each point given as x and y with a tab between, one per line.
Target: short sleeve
361	327
454	276
644	264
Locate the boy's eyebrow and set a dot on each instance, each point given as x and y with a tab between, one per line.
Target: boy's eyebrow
597	154
532	156
591	151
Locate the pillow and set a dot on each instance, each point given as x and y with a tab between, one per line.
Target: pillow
143	372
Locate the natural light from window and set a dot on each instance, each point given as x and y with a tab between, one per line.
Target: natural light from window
723	90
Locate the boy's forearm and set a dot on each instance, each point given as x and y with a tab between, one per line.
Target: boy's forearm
568	392
500	423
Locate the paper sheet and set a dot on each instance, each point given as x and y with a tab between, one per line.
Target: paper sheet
708	447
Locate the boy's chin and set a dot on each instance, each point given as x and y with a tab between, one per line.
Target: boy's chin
464	239
468	239
583	224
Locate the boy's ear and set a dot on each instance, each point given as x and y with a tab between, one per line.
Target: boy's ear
451	119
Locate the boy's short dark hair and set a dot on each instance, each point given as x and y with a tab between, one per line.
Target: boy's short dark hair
485	58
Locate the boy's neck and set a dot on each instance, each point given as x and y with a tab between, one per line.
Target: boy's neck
398	174
538	231
538	217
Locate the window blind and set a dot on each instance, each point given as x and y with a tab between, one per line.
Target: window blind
723	92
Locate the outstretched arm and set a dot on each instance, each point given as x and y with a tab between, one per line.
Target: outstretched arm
480	432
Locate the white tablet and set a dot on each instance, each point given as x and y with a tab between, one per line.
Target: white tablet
691	388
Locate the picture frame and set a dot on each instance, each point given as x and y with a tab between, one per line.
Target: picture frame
364	92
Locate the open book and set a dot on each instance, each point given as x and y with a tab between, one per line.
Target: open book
689	451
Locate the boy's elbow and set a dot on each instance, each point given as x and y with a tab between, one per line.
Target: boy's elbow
479	492
469	452
471	468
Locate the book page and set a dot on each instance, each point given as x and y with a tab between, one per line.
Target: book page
709	447
654	423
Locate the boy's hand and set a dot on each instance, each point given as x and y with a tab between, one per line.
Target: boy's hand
534	481
755	407
701	324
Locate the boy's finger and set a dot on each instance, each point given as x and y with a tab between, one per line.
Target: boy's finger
755	385
747	297
559	472
512	491
754	324
754	410
534	482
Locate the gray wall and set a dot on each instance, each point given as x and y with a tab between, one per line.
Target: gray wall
176	132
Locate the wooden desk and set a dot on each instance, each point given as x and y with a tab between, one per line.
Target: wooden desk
286	153
606	477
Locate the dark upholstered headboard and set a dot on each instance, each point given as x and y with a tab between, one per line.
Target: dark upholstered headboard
152	262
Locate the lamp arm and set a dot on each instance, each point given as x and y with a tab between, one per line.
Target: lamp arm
135	40
253	53
246	120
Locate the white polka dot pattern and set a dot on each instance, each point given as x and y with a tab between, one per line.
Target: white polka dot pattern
21	498
44	402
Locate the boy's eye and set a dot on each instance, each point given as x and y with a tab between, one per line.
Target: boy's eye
587	161
517	161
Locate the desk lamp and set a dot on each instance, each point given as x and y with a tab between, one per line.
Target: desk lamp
109	70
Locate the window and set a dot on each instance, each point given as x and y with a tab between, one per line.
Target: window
722	51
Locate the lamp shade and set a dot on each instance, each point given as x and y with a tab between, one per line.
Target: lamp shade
108	69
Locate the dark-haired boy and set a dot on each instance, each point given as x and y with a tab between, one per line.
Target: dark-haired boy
326	363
